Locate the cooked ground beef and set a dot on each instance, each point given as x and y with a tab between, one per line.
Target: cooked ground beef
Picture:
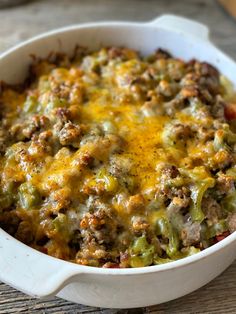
190	234
212	210
70	135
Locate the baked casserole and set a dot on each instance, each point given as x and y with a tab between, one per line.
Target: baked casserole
111	159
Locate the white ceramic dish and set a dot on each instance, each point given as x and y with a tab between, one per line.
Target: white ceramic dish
40	275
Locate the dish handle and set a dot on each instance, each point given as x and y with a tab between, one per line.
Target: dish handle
182	24
32	272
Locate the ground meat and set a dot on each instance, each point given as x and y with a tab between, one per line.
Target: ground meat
45	135
201	80
29	128
70	134
218	110
152	107
209	76
206	75
41	145
139	224
115	52
3	138
230	113
85	160
169	172
231	220
224	184
212	210
111	265
120	166
181	131
34	125
204	134
91	252
189	91
121	53
100	225
207	69
104	147
60	200
62	90
63	114
221	160
177	204
190	234
174	105
167	89
166	193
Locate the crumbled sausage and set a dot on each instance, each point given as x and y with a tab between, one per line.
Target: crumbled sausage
222	159
139	224
177	204
224	184
182	131
70	134
212	210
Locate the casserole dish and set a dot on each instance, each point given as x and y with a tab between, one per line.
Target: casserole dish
40	275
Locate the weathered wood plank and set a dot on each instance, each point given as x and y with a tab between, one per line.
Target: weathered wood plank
219	296
20	23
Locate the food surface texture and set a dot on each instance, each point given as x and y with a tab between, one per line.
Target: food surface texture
112	159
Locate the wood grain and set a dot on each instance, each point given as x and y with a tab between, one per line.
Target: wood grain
20	23
230	6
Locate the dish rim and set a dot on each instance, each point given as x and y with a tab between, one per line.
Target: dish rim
83	269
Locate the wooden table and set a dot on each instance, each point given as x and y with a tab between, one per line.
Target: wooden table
20	23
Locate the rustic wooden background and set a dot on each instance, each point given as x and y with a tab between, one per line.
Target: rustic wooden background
20	23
